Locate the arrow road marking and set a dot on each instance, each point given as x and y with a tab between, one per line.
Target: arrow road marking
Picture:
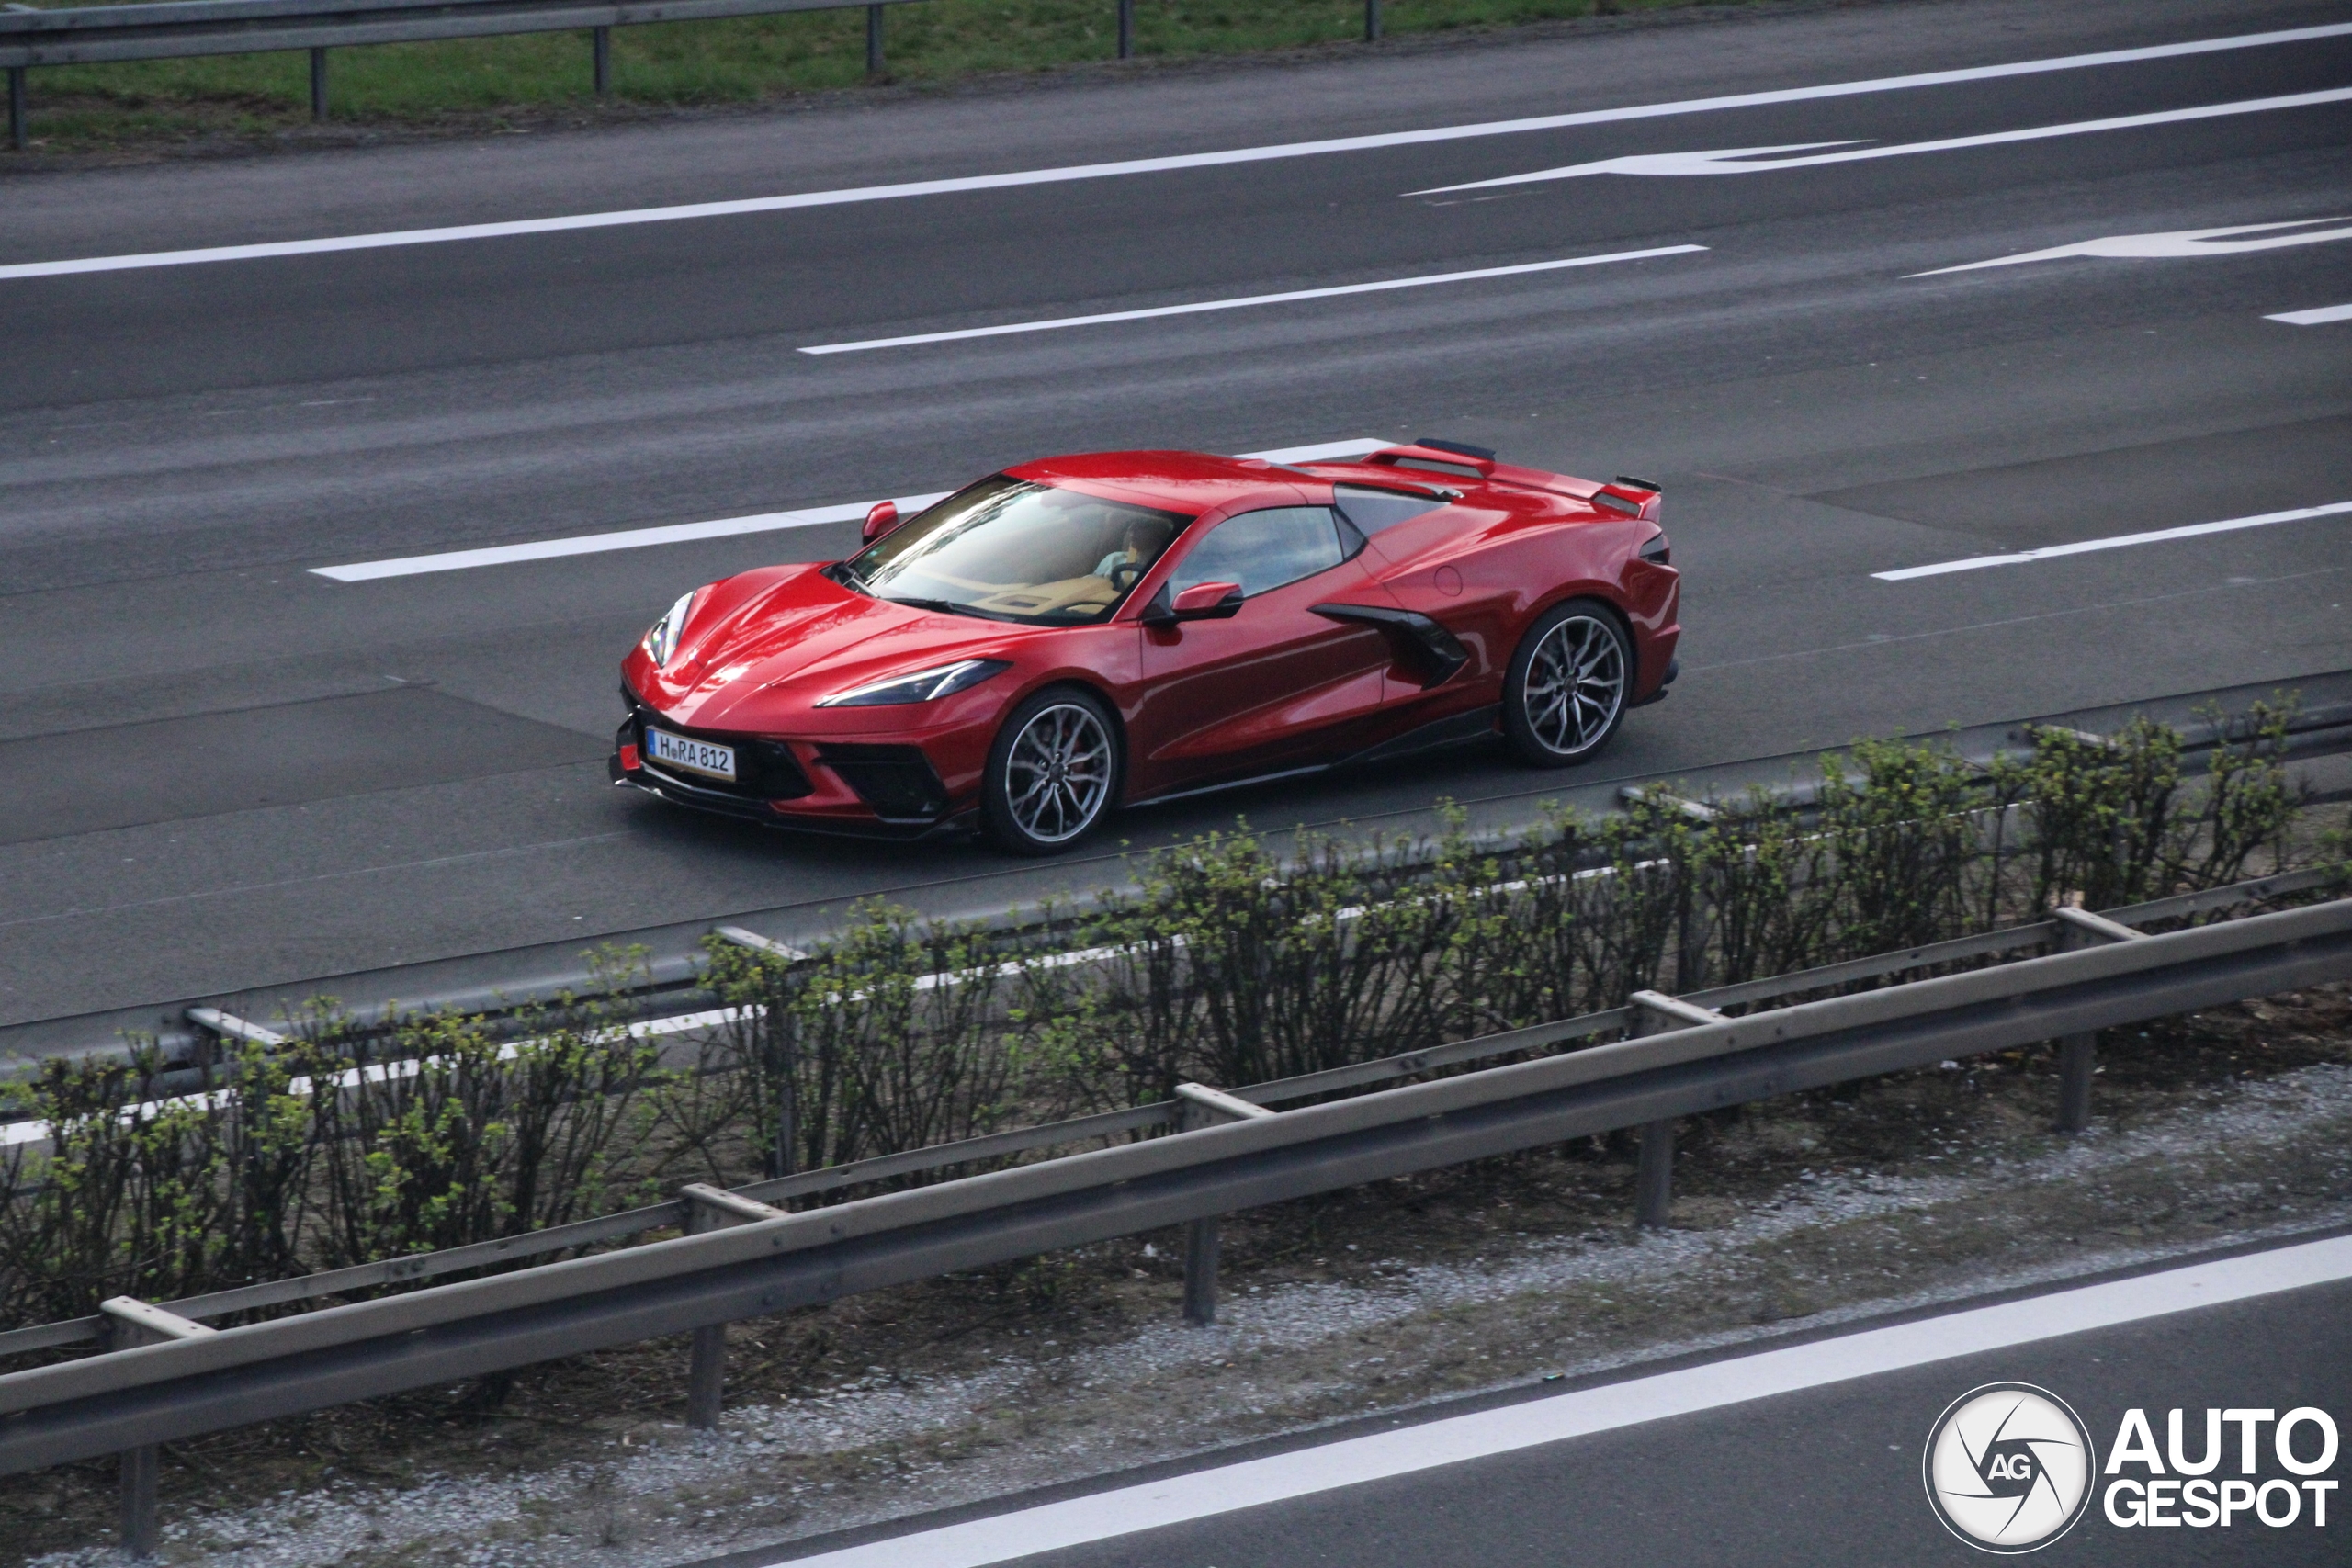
2179	242
1762	160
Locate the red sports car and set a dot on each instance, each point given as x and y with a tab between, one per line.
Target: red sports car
1080	633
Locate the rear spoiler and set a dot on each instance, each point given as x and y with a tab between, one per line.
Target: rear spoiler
1625	496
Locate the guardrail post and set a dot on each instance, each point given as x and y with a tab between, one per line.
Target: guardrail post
1653	1178
710	1209
1201	1240
1126	30
132	1322
1372	21
873	40
2078	1053
318	85
1653	1012
17	108
1206	1107
600	52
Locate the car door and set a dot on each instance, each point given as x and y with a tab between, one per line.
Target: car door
1276	685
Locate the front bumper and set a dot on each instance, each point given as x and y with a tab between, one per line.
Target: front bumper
861	788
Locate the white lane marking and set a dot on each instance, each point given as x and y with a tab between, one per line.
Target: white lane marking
303	1086
1160	165
1407	1450
2117	542
1760	159
1248	300
595	544
2314	318
719	528
2178	242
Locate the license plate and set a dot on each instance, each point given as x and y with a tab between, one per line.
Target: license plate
694	756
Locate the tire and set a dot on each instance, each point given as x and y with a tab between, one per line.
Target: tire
1053	773
1569	685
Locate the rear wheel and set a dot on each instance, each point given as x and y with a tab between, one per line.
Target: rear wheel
1568	684
1052	774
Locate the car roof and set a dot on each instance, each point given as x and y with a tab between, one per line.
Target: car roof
1192	482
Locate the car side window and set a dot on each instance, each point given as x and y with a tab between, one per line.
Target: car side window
1373	510
1265	550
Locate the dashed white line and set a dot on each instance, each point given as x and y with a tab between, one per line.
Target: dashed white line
2314	318
1164	164
718	528
1248	300
2116	542
1407	1450
596	544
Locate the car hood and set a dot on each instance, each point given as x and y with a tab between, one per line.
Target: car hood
802	638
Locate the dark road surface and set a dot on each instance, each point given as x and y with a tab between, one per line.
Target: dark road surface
232	771
1807	1453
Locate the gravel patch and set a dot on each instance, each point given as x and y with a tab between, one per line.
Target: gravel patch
2244	1160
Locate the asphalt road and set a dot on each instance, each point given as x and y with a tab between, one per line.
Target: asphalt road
232	772
1747	1471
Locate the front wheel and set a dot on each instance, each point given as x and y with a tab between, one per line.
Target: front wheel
1052	774
1568	684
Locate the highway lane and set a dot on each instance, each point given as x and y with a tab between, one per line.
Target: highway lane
241	773
1764	1455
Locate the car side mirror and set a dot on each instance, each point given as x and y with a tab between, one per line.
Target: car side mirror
1207	602
1202	601
881	520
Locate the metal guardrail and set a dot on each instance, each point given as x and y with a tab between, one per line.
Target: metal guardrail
183	29
198	1380
1155	1117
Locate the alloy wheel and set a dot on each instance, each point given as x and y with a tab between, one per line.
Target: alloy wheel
1057	773
1575	683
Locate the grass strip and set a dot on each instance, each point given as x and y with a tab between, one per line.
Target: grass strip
502	83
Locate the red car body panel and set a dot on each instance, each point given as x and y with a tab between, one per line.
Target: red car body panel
1277	687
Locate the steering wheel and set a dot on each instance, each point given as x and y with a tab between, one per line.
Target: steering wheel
1123	576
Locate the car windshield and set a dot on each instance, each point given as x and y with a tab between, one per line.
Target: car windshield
1011	549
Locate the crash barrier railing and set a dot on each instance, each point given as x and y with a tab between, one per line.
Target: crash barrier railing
165	1375
669	981
181	29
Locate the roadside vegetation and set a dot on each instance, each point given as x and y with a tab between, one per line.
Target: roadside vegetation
513	82
1226	966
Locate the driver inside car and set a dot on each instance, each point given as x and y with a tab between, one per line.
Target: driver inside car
1147	536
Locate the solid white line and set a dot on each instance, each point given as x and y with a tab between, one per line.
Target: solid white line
682	532
1160	165
2314	317
1756	159
17	1133
2119	541
1247	300
1409	1450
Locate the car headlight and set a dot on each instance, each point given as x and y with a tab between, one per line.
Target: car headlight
922	686
662	640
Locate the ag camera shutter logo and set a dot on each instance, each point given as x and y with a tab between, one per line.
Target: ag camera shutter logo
2008	1468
